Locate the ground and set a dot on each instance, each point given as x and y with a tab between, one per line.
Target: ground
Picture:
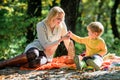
58	74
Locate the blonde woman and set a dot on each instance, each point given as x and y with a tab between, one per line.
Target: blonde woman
50	32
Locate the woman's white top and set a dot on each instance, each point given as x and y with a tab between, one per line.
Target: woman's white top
47	37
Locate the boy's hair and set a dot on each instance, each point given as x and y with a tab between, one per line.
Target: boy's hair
54	12
96	27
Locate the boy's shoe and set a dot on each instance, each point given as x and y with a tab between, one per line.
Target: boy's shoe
89	68
90	62
77	62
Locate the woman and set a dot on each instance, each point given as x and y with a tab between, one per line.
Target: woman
50	33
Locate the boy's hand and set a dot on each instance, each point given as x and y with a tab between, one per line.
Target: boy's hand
69	33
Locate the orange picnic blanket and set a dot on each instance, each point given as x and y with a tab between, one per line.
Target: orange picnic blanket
58	62
67	62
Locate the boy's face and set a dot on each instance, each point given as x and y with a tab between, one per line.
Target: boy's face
92	35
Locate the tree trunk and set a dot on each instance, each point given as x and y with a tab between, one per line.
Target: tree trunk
71	10
1	1
34	10
113	19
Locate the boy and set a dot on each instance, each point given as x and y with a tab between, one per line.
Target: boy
95	46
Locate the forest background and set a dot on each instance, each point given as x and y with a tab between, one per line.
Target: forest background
18	19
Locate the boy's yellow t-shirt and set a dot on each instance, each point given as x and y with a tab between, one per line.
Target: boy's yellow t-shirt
93	46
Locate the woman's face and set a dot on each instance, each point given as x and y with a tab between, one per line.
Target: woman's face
58	19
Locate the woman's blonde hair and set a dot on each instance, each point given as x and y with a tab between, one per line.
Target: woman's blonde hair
96	27
54	12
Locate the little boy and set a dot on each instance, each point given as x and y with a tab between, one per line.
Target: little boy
95	46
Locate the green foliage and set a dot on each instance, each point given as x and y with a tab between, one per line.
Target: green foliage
115	47
79	48
13	29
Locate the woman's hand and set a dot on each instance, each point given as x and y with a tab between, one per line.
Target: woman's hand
65	37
